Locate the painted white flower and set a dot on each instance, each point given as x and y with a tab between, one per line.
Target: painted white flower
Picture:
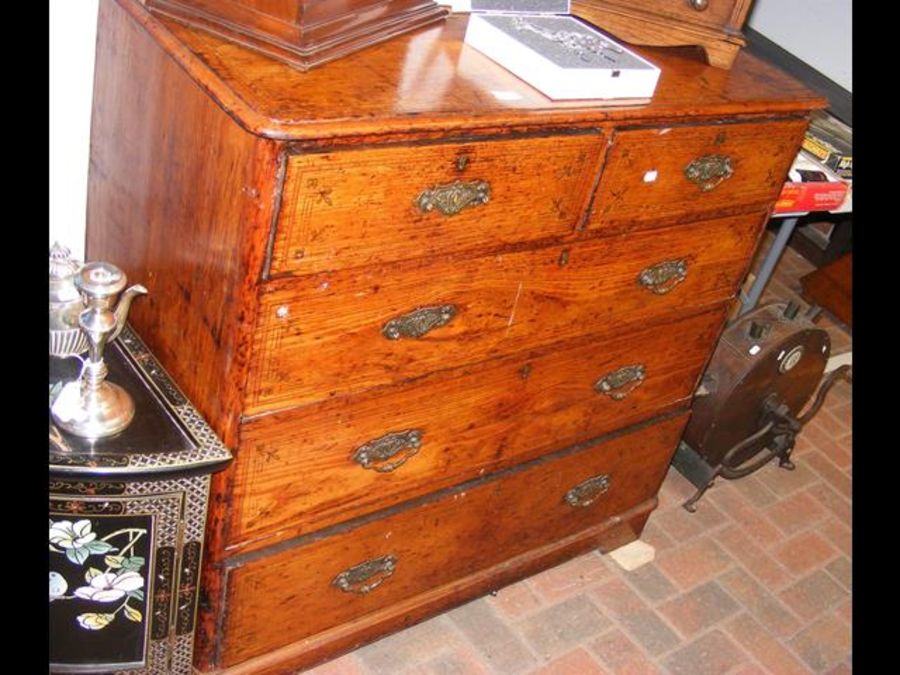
109	587
67	534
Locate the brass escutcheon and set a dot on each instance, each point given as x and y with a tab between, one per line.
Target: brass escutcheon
663	277
709	171
418	322
586	493
618	384
374	454
452	198
367	576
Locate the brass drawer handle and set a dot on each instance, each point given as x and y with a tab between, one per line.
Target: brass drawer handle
374	454
709	171
618	384
452	198
418	322
367	576
699	5
663	277
586	493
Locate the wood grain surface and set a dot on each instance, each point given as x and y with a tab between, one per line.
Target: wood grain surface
428	81
296	473
644	177
360	207
321	336
438	541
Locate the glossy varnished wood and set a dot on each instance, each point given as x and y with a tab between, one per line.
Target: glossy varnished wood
297	474
429	81
357	207
320	336
644	178
446	539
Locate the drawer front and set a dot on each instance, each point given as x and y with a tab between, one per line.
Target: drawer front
712	12
658	174
359	207
329	335
284	597
306	469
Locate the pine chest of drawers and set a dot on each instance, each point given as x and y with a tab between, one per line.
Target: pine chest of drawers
451	328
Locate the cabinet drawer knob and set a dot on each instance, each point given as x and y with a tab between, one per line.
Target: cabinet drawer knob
367	576
418	322
618	384
709	171
663	277
376	453
452	198
699	5
586	493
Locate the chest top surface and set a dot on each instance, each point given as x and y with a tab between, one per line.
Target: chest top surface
430	80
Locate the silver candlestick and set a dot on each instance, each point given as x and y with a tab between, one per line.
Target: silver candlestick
92	407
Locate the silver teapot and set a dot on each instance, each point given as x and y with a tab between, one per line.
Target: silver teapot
66	304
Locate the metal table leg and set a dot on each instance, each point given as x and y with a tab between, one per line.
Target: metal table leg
749	300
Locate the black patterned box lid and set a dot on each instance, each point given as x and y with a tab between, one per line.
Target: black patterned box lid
166	436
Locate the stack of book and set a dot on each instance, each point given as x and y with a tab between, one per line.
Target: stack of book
560	55
831	142
811	186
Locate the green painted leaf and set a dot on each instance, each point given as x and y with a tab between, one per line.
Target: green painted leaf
113	561
91	573
132	614
99	547
133	563
78	555
137	595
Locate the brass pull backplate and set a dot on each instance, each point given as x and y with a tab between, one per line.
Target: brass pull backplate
376	453
709	171
586	493
367	576
418	322
618	384
663	277
452	198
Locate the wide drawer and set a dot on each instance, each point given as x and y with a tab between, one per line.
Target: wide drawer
309	468
376	205
327	335
680	172
304	589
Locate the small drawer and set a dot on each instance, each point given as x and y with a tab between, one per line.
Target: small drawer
684	172
348	208
301	590
331	335
711	12
305	469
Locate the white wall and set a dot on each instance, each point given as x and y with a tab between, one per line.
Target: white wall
73	31
815	31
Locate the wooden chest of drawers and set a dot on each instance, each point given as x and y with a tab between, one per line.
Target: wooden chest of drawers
451	328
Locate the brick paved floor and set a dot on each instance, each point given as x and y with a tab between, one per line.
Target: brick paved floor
757	581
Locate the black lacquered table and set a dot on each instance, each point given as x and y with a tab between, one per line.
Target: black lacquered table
127	518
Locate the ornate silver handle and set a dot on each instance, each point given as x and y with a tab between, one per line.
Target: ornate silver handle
452	198
709	171
663	277
418	322
586	493
699	5
618	384
367	576
376	453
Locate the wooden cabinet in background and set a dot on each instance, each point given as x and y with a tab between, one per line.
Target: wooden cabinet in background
452	328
